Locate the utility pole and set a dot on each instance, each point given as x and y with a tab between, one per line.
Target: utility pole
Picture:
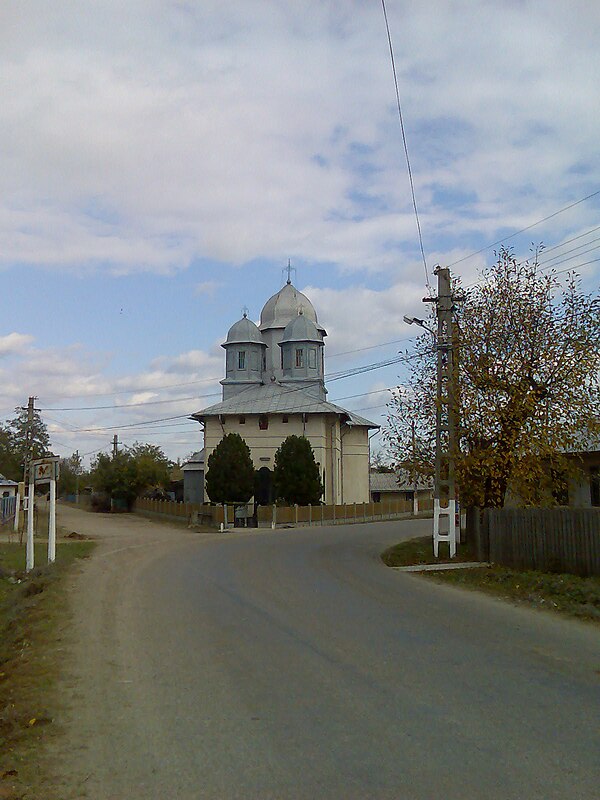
414	468
77	467
444	493
115	445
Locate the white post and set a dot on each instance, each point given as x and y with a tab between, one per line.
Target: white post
17	509
30	507
274	519
52	523
450	537
415	502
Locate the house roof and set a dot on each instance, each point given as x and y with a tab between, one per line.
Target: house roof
6	482
274	398
395	482
195	462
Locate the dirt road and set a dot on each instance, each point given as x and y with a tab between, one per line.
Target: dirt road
100	666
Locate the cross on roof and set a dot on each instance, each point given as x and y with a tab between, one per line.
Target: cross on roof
289	270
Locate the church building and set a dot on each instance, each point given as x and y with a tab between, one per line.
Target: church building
274	387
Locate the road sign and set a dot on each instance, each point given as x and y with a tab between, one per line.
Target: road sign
45	470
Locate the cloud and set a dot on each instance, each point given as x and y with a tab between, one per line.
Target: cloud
207	288
14	344
249	130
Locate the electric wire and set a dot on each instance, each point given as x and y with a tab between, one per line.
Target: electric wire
404	142
523	230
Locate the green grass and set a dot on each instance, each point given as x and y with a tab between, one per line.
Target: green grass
31	604
420	551
567	594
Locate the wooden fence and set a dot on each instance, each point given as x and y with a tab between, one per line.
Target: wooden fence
276	516
545	539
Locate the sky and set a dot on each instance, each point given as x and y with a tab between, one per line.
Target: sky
161	161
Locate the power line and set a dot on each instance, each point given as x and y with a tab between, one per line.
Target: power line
527	228
410	177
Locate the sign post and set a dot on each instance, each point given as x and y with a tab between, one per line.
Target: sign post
30	502
45	470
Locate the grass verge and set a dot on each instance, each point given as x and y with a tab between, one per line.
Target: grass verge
559	592
30	607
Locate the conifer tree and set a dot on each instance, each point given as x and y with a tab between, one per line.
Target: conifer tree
296	477
230	474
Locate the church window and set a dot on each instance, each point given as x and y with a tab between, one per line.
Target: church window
312	358
241	359
263	423
299	357
242	420
284	419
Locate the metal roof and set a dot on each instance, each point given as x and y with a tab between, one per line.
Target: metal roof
6	482
395	482
274	398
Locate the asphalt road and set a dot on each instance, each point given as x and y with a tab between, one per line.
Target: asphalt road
293	664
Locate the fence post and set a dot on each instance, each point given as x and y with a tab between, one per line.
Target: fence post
309	515
334	511
296	514
322	513
274	518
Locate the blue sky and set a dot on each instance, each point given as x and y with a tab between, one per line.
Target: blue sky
156	174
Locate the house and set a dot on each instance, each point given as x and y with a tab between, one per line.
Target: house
193	478
274	387
8	494
399	486
584	491
8	488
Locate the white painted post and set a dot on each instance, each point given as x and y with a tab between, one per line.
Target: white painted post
310	515
30	506
274	518
52	523
449	511
415	503
17	509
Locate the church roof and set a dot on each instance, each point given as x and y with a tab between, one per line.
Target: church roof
277	399
284	306
301	329
244	331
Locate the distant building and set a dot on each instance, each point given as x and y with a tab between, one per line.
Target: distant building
399	486
8	488
274	386
193	478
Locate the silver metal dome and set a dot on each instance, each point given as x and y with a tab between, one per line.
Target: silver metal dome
285	306
301	329
244	331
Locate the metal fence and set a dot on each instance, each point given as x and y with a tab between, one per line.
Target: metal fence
276	516
8	506
545	539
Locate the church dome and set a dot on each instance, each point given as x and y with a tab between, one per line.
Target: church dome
301	329
285	306
244	331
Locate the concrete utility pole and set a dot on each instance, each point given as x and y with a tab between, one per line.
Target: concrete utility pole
444	493
115	445
77	467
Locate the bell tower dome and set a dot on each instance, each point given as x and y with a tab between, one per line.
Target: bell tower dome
245	359
302	355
